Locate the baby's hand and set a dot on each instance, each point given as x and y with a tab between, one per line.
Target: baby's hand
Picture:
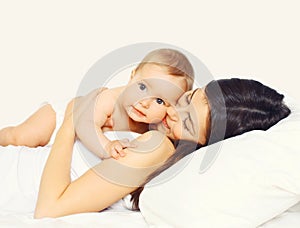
116	147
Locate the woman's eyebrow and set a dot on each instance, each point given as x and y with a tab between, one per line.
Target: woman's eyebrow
193	94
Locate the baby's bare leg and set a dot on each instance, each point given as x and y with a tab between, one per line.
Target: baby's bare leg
34	131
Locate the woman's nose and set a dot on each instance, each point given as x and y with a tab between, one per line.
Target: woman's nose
172	113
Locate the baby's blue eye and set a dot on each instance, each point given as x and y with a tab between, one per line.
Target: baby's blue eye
160	101
142	86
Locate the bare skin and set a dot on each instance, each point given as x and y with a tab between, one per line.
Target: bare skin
34	131
58	196
132	107
99	187
188	119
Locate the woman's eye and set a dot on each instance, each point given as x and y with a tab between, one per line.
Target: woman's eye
142	86
188	98
160	101
187	125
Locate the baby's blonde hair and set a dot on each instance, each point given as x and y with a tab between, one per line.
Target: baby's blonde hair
174	61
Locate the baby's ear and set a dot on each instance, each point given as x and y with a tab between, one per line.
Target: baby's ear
132	73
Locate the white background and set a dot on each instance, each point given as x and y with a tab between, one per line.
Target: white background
46	47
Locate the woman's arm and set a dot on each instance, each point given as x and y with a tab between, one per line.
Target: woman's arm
97	188
56	173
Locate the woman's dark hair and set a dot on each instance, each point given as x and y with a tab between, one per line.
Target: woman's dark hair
236	106
241	105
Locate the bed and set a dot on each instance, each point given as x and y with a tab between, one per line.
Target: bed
254	181
117	217
270	201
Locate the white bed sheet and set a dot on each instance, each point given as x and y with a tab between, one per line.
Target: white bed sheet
117	218
108	218
285	220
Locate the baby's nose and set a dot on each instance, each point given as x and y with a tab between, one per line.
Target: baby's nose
145	103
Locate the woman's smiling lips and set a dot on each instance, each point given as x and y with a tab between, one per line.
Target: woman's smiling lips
165	123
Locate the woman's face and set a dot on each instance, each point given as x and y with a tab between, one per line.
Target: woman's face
188	119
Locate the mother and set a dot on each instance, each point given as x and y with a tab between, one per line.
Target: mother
222	109
244	105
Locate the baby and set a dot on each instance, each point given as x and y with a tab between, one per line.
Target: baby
158	81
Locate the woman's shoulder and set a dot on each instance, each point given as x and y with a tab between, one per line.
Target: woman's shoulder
150	148
153	139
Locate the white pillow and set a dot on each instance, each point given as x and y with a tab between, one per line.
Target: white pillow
255	177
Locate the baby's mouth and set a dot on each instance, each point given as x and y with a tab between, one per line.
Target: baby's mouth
138	112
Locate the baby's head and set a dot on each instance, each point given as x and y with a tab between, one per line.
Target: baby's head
172	63
158	81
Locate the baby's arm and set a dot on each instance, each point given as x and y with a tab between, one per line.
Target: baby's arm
94	110
34	131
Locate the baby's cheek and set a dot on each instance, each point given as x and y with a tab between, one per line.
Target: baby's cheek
161	112
158	114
